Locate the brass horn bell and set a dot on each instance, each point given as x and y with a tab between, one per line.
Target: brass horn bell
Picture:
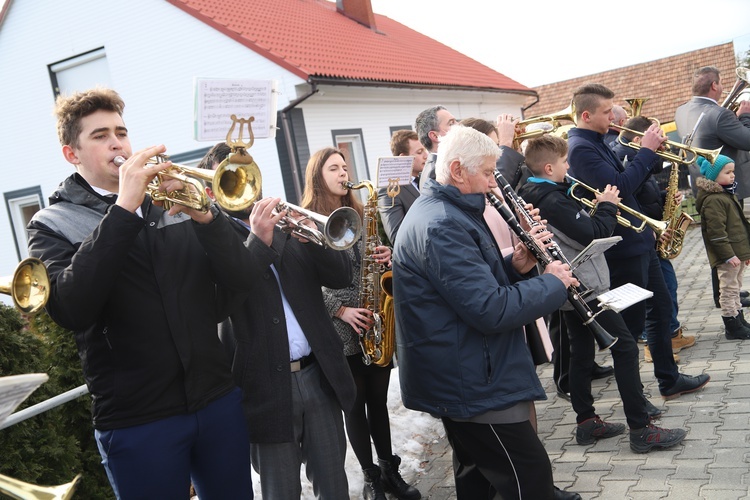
28	287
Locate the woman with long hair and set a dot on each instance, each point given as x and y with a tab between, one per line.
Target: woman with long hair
324	193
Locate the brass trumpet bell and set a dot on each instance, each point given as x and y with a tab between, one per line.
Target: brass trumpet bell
28	287
554	119
743	80
26	491
676	152
636	105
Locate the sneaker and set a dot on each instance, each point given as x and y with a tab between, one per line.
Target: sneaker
642	338
685	384
588	431
648	359
680	341
644	440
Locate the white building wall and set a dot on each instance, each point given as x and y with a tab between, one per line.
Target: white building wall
154	51
376	110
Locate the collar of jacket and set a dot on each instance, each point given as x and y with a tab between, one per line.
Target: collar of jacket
75	189
588	134
474	202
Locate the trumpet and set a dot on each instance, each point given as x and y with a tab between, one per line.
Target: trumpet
339	231
676	152
554	119
29	286
236	186
658	226
19	489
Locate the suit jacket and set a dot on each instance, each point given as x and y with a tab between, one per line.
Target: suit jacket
260	363
392	212
719	128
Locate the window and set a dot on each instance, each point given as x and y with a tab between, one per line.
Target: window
351	144
399	127
80	72
21	206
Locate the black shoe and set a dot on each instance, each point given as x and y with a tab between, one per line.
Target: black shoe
745	302
601	371
644	440
393	482
734	329
588	431
373	489
685	384
744	294
653	411
742	319
565	495
563	394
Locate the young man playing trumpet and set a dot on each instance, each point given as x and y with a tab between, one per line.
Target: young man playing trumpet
634	259
142	289
574	228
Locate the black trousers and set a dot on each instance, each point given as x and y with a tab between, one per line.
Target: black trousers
561	355
499	461
645	271
625	357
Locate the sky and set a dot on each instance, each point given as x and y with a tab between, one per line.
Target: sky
546	41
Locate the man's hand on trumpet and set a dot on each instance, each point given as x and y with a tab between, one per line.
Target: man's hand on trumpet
135	176
264	217
654	138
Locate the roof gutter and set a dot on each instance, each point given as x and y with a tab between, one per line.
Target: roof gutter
289	139
416	85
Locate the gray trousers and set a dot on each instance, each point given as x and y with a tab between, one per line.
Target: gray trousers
319	443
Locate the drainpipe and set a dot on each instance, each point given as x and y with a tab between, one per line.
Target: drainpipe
290	145
523	110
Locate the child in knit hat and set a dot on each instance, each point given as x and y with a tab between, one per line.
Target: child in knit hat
725	234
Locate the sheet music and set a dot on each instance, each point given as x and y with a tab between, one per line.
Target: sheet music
596	247
623	297
15	388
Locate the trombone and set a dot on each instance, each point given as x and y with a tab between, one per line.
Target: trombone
676	152
29	286
236	186
658	226
339	231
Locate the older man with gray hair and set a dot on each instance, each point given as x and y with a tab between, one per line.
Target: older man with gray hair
460	312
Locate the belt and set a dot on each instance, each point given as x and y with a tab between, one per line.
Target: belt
303	362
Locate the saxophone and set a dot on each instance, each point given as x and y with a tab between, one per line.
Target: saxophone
375	292
669	246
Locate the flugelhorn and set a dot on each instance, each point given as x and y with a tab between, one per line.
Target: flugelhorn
676	152
29	286
236	186
554	119
15	488
658	226
339	231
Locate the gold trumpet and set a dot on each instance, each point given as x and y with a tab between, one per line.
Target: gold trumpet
554	119
339	231
29	286
26	491
235	185
676	152
658	226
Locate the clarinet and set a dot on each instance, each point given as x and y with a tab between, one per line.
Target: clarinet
603	338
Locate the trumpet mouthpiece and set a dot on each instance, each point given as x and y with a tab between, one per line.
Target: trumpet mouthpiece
118	160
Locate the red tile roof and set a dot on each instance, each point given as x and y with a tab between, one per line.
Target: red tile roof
666	82
312	40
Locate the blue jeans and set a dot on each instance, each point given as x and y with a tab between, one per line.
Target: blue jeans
159	459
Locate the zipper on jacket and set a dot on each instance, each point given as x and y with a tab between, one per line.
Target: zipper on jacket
486	350
104	332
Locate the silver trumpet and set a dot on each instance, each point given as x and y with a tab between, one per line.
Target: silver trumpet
338	231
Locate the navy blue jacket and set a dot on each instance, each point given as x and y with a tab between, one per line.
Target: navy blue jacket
595	164
460	310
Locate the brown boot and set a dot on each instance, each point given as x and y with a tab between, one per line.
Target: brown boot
648	359
680	341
